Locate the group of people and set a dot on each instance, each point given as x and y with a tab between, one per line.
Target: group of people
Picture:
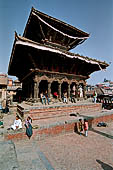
18	125
65	97
83	127
44	98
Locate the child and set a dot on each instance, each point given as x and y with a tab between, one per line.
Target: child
86	127
80	126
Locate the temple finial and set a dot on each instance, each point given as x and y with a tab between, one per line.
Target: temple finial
16	34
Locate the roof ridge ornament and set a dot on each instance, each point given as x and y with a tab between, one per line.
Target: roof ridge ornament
16	35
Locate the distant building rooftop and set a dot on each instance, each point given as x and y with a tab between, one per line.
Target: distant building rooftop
3	79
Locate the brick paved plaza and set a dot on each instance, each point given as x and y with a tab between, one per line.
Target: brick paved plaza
65	152
74	152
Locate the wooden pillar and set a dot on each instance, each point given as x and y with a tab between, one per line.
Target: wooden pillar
36	90
49	89
68	91
77	91
27	90
30	90
59	91
84	91
24	90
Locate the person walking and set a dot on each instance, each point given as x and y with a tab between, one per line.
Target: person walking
86	127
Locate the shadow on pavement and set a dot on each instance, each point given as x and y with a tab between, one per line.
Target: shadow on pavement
102	133
104	165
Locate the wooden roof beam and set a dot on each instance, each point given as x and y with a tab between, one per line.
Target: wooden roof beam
32	60
42	32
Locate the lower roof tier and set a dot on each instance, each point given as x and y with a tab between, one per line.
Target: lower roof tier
27	55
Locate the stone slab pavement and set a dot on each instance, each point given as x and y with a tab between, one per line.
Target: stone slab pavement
30	157
8	157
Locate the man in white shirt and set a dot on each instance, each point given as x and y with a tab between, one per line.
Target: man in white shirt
17	124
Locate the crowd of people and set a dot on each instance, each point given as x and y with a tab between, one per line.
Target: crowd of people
44	98
64	96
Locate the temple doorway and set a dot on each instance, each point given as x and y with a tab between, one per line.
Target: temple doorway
43	86
73	89
80	91
54	87
73	86
64	87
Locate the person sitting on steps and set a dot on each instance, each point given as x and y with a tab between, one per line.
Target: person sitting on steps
43	98
72	97
47	97
65	97
17	124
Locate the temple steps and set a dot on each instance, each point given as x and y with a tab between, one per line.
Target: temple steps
52	120
48	111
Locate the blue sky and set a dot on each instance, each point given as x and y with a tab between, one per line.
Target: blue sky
92	16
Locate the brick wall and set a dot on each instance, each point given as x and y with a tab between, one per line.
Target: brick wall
41	133
61	111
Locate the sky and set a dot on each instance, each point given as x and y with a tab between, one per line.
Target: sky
92	16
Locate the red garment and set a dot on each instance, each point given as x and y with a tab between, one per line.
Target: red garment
85	125
55	94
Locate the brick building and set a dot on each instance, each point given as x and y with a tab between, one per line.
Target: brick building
3	89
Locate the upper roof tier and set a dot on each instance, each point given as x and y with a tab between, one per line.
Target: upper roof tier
50	31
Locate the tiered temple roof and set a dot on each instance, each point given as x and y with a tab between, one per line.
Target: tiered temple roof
50	31
45	45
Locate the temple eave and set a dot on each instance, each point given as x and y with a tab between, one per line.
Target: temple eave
37	49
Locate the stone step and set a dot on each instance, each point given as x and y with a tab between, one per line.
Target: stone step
60	111
38	112
66	107
46	116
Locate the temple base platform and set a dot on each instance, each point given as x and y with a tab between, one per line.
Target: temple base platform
52	120
39	111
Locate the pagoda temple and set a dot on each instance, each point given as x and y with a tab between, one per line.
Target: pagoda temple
41	58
